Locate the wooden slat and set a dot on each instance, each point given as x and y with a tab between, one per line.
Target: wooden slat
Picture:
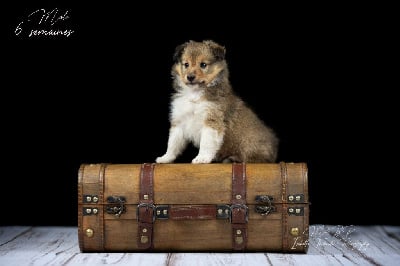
59	246
190	184
40	246
364	245
220	259
8	234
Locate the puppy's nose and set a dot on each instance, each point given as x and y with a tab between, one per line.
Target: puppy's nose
191	77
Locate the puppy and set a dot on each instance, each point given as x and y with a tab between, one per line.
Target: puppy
206	112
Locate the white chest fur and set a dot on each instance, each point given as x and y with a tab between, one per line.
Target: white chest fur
188	112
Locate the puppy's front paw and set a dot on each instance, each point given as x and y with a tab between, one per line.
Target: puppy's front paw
201	159
165	159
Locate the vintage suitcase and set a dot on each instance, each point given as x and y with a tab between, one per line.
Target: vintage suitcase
193	207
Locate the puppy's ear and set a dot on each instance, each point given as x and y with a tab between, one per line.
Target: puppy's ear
178	52
217	50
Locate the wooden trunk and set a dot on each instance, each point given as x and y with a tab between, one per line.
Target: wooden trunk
193	207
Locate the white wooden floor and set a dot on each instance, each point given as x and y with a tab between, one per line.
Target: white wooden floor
329	245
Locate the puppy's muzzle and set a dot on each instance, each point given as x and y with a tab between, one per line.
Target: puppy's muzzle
190	78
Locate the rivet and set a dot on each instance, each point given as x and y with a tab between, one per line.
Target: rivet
144	230
158	212
238	196
144	239
88	199
219	211
95	199
95	210
298	210
298	198
294	231
165	212
146	197
291	210
291	198
238	232
239	240
226	211
88	210
89	232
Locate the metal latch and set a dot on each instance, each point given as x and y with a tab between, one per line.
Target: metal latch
162	212
223	212
265	204
116	205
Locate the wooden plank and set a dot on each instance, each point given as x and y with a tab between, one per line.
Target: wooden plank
365	245
171	184
40	246
218	259
120	259
8	234
306	260
392	232
59	246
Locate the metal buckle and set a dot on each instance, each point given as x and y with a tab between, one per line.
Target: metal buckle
147	206
239	206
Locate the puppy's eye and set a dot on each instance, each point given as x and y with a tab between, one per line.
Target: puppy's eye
203	65
186	65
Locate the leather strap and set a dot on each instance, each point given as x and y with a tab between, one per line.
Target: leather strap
238	207
285	228
193	212
145	213
102	174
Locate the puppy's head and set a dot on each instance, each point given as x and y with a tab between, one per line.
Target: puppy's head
200	63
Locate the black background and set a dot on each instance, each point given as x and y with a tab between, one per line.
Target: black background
317	74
